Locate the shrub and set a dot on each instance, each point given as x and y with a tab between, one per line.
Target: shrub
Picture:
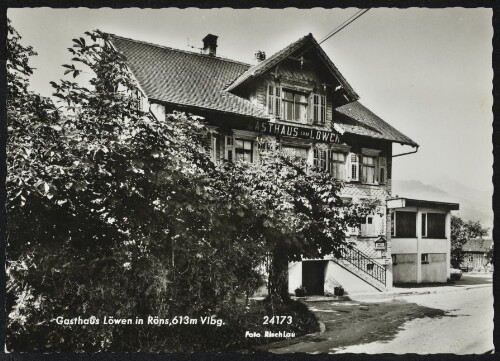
300	291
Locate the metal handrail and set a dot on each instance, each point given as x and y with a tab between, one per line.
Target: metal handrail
361	261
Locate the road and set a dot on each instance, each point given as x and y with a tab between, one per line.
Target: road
467	327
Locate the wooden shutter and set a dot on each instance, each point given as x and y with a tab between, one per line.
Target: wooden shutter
348	172
229	148
277	101
310	109
382	168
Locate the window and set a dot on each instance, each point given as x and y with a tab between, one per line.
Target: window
368	227
368	171
319	108
405	225
424	258
243	150
274	100
436	225
353	167
393	224
319	159
294	106
424	224
337	164
295	152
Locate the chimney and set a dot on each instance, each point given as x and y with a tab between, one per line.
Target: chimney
210	44
260	55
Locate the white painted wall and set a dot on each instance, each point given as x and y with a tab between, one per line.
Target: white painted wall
294	276
158	111
337	275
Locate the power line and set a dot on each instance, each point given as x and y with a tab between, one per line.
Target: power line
344	24
353	17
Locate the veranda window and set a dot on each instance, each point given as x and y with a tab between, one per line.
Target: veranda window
405	224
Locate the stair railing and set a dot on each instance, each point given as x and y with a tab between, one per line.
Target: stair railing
364	263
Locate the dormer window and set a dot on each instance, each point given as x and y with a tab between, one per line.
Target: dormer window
294	106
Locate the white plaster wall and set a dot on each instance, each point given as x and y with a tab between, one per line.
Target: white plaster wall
158	111
434	272
403	245
337	275
294	276
431	245
405	270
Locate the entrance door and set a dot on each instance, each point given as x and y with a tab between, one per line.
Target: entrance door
313	277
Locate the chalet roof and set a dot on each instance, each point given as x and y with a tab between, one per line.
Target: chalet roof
186	78
355	118
481	245
200	81
304	43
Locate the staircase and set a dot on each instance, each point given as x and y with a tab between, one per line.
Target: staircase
364	267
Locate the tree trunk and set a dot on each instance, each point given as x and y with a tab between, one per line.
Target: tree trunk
278	276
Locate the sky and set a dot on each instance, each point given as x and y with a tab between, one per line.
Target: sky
427	72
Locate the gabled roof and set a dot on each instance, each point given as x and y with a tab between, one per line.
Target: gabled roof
355	118
185	78
478	245
199	81
305	43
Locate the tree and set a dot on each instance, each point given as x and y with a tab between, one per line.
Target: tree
461	232
124	209
114	212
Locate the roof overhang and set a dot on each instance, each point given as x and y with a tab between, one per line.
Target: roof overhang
395	203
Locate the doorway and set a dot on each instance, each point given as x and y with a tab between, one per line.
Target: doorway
313	277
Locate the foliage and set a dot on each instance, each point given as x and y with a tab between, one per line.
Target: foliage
300	291
113	212
461	232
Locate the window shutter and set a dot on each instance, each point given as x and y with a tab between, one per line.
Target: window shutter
361	174
315	157
310	110
278	95
229	148
382	164
348	172
322	109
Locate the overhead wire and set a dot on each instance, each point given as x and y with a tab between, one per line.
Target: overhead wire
338	28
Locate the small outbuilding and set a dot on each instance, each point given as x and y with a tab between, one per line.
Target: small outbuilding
421	244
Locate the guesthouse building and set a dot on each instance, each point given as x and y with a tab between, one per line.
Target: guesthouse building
298	101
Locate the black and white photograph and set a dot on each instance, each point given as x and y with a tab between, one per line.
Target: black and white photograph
284	181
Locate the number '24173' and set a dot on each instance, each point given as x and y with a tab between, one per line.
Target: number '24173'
277	320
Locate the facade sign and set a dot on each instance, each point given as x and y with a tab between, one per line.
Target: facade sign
295	132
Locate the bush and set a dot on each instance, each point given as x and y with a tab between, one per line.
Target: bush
455	274
300	291
338	291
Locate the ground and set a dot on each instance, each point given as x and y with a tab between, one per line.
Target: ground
441	319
